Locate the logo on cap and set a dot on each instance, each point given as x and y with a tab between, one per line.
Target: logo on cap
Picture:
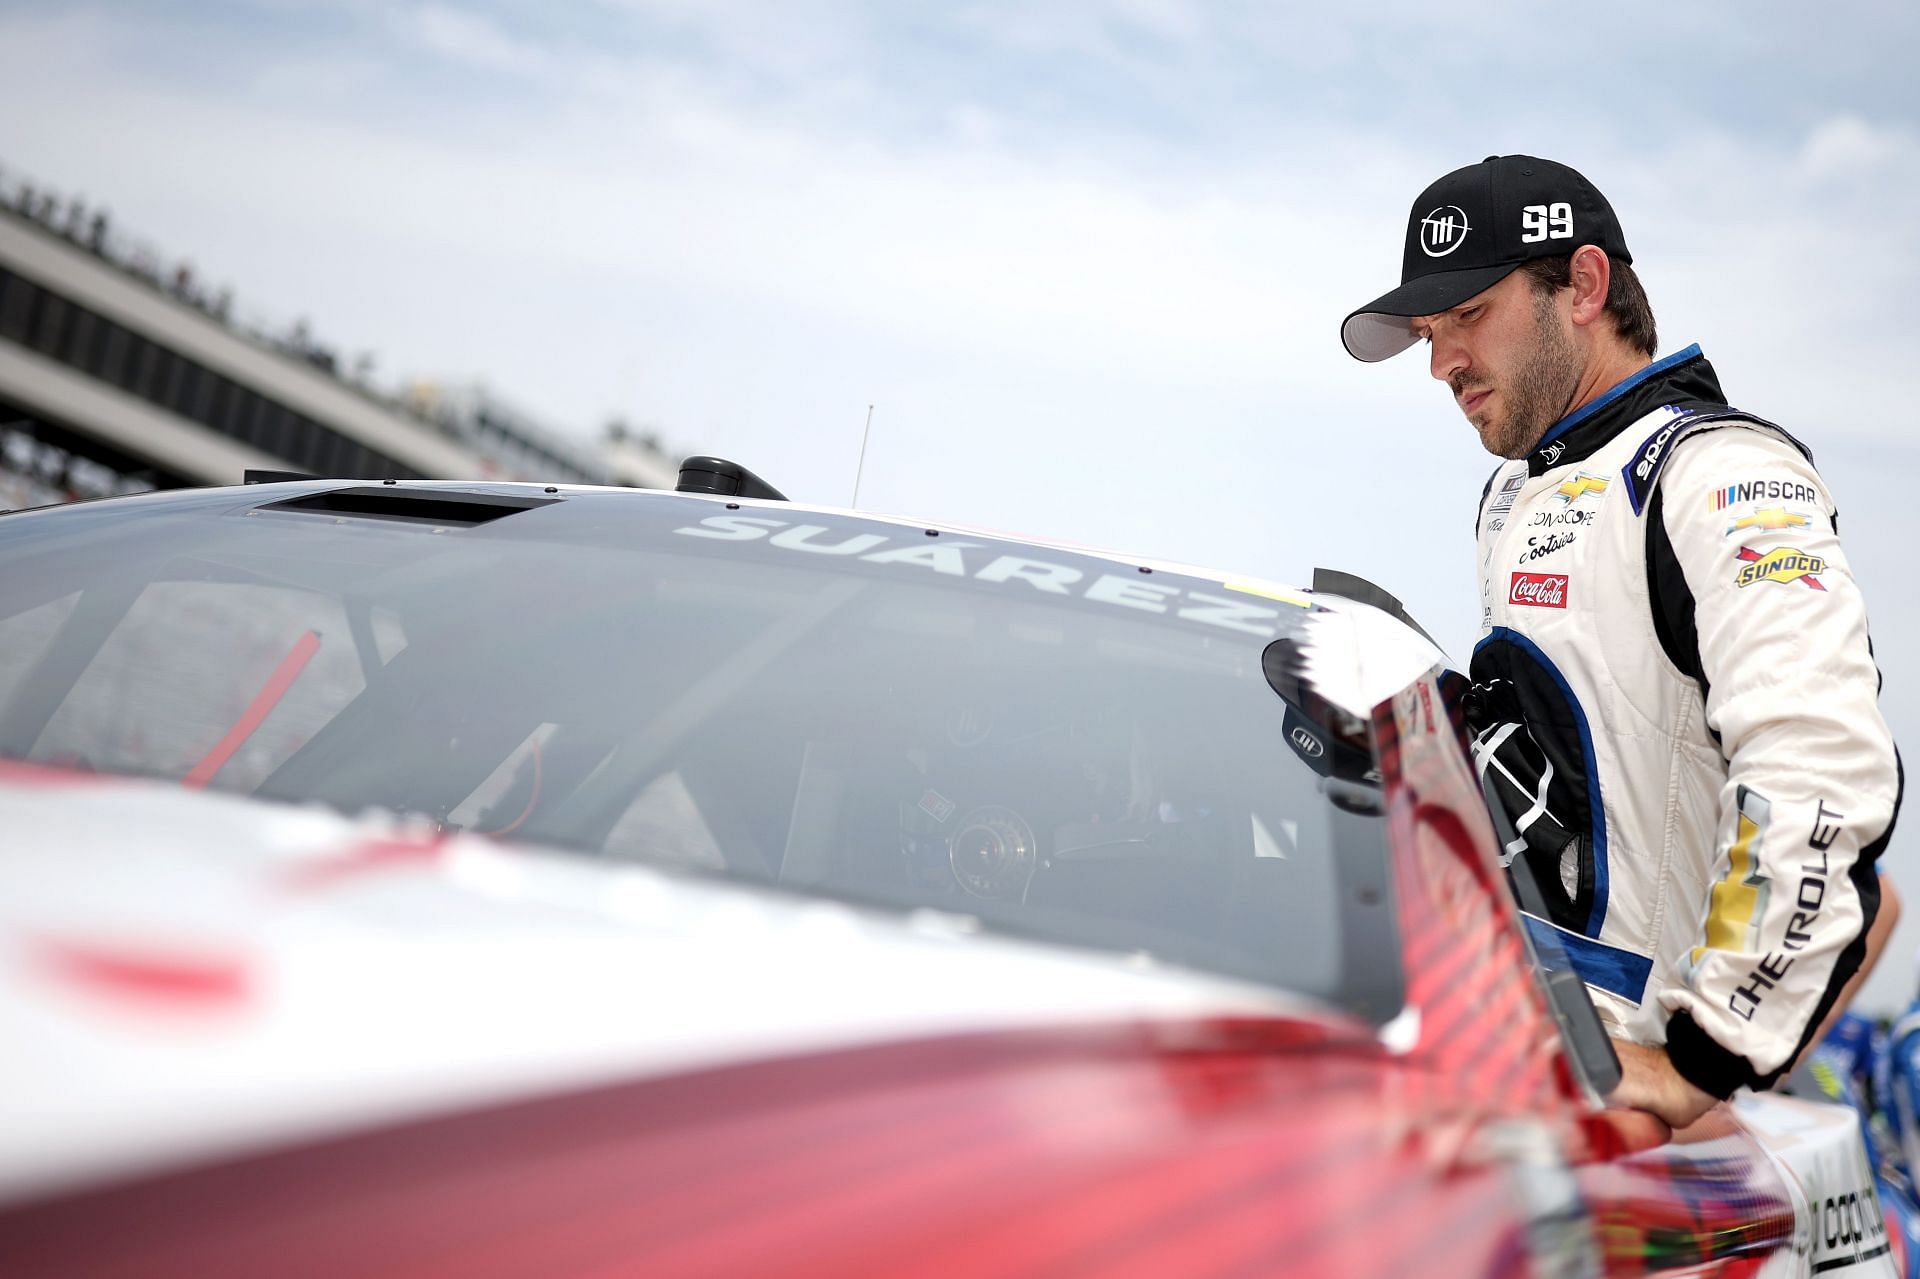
1443	230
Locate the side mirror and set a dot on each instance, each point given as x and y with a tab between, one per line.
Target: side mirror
1332	742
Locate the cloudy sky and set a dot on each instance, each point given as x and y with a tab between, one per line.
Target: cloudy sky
1085	258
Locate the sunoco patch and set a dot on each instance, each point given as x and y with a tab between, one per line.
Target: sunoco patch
1782	564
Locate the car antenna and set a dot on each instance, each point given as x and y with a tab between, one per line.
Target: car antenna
862	464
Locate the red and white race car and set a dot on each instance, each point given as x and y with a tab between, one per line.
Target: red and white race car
427	878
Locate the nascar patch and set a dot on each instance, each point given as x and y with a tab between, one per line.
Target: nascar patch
1782	564
1762	491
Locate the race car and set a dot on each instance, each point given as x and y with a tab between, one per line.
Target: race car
499	879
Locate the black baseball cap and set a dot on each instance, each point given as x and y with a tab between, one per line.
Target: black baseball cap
1470	230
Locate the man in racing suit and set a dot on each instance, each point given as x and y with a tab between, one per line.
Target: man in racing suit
1674	691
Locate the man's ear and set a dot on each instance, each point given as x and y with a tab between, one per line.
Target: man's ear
1592	273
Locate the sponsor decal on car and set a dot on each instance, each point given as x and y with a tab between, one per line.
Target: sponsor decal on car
1773	519
1538	590
1782	564
1269	593
958	557
1578	487
1851	1229
1762	491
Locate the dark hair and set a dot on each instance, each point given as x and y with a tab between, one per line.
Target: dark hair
1626	300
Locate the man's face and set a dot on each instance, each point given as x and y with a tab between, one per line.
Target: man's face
1509	357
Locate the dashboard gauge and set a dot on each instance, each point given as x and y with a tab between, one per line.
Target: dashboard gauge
993	853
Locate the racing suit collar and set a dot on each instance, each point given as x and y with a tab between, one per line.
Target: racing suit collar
1684	377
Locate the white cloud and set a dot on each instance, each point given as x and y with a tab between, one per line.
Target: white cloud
641	168
1117	267
1847	146
466	37
1176	20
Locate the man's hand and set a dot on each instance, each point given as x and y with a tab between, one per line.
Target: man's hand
1649	1082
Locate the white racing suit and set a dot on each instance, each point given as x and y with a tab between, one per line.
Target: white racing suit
1675	700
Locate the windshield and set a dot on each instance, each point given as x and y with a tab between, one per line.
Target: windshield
1054	744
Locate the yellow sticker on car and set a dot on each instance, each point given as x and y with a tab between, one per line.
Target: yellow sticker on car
1269	593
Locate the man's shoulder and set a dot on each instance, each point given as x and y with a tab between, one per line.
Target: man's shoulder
1683	439
1732	467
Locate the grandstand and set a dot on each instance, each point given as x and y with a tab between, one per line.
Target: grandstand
120	371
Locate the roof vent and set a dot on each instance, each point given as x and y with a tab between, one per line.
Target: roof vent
444	508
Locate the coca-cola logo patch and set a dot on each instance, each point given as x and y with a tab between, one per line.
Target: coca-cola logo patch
1538	590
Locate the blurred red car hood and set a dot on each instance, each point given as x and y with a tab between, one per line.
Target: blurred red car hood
186	976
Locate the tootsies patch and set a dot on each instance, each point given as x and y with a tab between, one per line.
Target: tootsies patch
1538	590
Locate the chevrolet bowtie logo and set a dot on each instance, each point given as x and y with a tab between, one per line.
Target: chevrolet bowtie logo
1578	487
1772	520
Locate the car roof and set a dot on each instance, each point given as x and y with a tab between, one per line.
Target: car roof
1300	596
1367	652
